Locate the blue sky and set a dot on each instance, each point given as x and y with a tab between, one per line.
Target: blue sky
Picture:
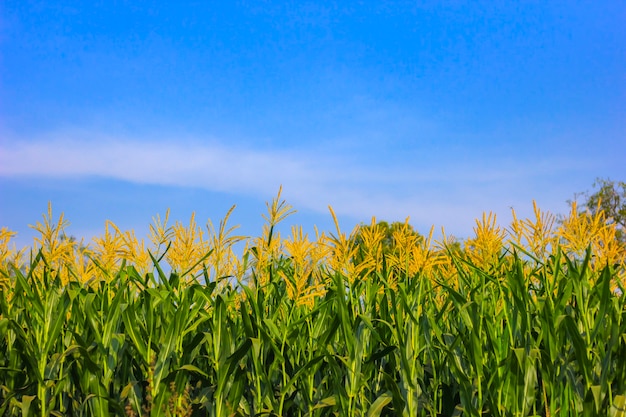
434	110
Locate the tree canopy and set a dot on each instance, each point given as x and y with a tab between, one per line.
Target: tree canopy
387	230
610	197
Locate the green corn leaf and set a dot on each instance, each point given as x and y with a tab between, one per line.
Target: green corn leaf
618	408
379	404
580	348
381	353
605	292
132	329
192	368
55	318
306	368
242	350
596	392
26	403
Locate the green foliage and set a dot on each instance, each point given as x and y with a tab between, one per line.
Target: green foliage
543	339
388	242
610	197
387	229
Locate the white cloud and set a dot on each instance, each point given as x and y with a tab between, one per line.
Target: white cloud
453	192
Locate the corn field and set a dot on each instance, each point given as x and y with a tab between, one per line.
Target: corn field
527	320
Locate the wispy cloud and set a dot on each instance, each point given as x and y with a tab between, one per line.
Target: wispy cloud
450	192
211	166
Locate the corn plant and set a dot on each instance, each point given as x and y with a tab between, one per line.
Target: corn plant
525	321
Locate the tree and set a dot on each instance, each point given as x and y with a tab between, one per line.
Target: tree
387	230
610	197
388	242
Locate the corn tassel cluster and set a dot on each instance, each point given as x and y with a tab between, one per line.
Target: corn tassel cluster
525	320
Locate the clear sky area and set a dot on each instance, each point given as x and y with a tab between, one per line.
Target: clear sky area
435	110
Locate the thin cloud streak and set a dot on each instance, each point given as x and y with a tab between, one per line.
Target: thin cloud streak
312	180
